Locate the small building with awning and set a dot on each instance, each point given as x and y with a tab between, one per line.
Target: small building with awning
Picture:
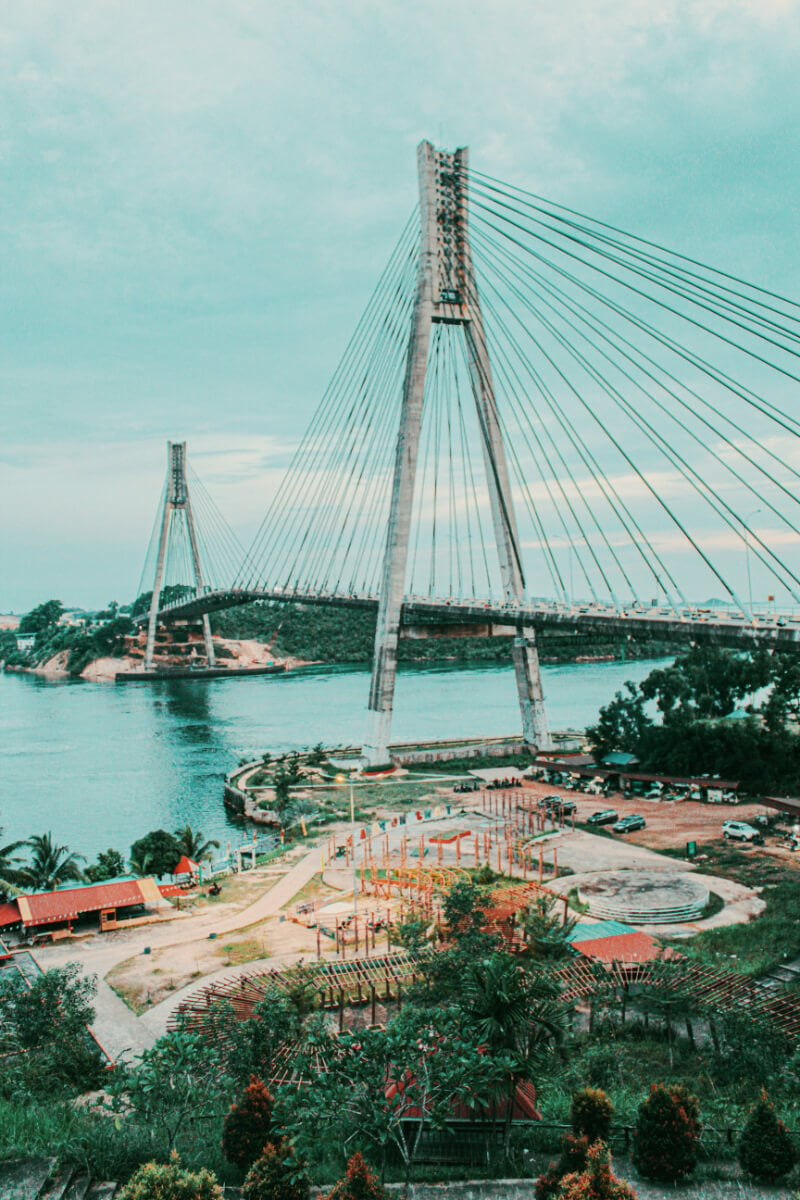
56	912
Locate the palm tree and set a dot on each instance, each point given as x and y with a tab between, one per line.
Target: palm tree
49	865
515	1012
9	865
190	842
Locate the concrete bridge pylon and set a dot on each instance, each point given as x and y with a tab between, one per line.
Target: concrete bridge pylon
177	506
446	292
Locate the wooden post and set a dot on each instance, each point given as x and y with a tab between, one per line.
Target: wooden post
373	998
555	862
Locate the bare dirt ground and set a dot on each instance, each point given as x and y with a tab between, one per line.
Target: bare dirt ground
670	824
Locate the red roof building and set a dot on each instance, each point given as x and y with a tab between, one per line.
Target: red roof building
55	908
633	947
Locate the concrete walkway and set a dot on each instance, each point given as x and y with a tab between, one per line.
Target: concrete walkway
116	1026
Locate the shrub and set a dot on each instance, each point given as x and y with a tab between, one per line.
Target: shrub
572	1160
248	1126
276	1175
765	1148
358	1183
597	1181
666	1134
591	1114
170	1181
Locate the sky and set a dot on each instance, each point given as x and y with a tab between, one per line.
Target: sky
197	198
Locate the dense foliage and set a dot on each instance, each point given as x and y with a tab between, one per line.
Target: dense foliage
249	1125
696	698
170	1181
84	643
276	1175
331	635
44	1043
766	1151
358	1183
591	1114
596	1181
666	1135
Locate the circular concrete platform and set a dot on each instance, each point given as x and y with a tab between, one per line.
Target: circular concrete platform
645	897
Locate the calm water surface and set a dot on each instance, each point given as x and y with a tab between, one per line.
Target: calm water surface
100	765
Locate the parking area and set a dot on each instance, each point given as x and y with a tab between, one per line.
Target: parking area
669	824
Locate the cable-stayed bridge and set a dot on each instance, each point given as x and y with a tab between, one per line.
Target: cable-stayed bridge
539	420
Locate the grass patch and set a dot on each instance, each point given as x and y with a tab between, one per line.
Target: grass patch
243	951
767	940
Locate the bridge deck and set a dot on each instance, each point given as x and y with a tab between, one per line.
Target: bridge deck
719	626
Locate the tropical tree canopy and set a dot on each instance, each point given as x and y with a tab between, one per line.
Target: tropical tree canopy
49	865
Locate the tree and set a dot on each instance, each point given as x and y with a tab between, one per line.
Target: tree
386	1087
517	1015
359	1183
42	618
49	865
666	1135
156	853
286	775
109	865
171	1181
9	864
43	1033
621	725
766	1152
249	1125
190	842
177	1078
249	1047
572	1159
596	1181
276	1175
545	931
591	1112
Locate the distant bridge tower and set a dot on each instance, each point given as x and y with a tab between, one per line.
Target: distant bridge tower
447	292
177	507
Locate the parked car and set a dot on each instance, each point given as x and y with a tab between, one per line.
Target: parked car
595	787
604	816
559	804
628	824
549	802
740	831
654	793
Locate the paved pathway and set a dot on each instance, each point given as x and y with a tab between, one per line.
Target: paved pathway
116	1027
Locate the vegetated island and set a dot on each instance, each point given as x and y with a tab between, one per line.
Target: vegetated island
101	646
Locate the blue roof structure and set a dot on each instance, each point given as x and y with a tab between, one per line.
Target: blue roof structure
586	931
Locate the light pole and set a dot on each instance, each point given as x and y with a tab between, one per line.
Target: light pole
747	559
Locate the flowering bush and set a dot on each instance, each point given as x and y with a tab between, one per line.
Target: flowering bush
596	1181
591	1114
359	1183
765	1148
666	1135
276	1175
248	1126
170	1181
572	1159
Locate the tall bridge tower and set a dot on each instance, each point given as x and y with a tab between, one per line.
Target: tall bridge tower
447	293
177	507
